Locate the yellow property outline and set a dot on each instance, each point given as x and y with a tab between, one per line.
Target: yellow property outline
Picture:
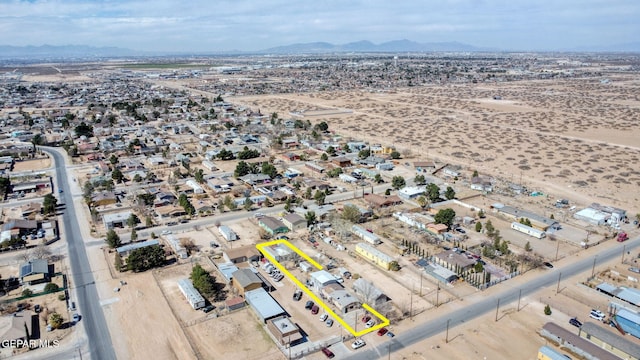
384	321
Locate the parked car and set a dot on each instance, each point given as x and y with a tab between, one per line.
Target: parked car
329	322
366	318
596	314
548	265
208	308
390	334
76	318
37	308
324	317
297	295
315	309
308	305
382	331
328	353
358	344
370	323
575	322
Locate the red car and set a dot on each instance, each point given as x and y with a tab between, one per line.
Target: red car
366	318
328	353
382	331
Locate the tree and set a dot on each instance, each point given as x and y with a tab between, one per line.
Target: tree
398	182
445	216
395	155
55	320
199	176
49	204
378	179
117	263
113	240
475	173
364	153
527	247
5	185
481	214
242	169
134	235
145	258
478	267
331	150
478	226
117	175
269	169
433	192
137	178
419	179
133	220
308	193
51	287
247	204
27	293
422	201
310	216
547	310
449	193
203	281
113	159
84	130
351	213
324	157
319	197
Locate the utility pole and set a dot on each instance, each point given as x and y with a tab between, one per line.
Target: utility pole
593	269
437	294
411	303
446	340
557	248
624	248
497	307
558	287
421	279
519	296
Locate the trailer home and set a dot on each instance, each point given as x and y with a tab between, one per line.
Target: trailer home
528	230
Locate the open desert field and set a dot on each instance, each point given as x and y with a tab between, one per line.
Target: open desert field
576	137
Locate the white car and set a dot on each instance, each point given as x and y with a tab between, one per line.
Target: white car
166	232
596	314
358	344
323	317
370	323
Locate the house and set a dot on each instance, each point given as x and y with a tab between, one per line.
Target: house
365	235
227	233
320	279
411	192
170	211
481	184
242	254
575	343
291	157
380	201
438	272
279	252
22	325
341	161
454	260
341	298
437	229
294	221
424	166
104	198
115	220
272	225
285	331
610	341
197	189
547	353
193	296
369	293
537	221
125	250
253	179
35	271
374	255
314	167
451	171
245	280
263	304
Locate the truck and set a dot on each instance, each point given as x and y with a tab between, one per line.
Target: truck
622	236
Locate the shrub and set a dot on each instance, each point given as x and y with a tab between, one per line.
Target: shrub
547	310
51	287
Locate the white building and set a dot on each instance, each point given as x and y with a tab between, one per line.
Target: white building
197	189
528	230
180	251
227	233
193	296
411	192
366	235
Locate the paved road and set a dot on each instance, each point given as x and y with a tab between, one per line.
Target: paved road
100	346
438	325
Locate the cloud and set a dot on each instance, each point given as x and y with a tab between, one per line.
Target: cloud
202	25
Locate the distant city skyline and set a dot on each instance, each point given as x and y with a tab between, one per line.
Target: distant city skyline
216	26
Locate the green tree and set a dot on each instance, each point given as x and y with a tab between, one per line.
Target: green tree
475	174
145	258
351	213
49	204
398	182
117	175
242	169
395	155
419	179
319	197
51	287
117	263
324	157
134	235
378	179
364	153
449	193
478	226
199	176
133	220
547	310
433	192
55	320
27	292
445	216
481	214
137	178
310	216
308	193
478	267
527	247
331	150
113	240
422	201
269	169
5	186
84	130
203	281
247	204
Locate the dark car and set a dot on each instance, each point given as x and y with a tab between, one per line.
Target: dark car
297	295
575	322
327	353
366	318
308	305
207	309
548	265
382	331
315	309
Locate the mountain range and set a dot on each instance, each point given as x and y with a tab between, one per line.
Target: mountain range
364	46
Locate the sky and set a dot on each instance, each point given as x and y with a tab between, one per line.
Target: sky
226	25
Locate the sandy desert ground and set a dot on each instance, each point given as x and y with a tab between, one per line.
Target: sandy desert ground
578	137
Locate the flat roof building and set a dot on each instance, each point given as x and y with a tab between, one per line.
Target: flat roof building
193	296
263	304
